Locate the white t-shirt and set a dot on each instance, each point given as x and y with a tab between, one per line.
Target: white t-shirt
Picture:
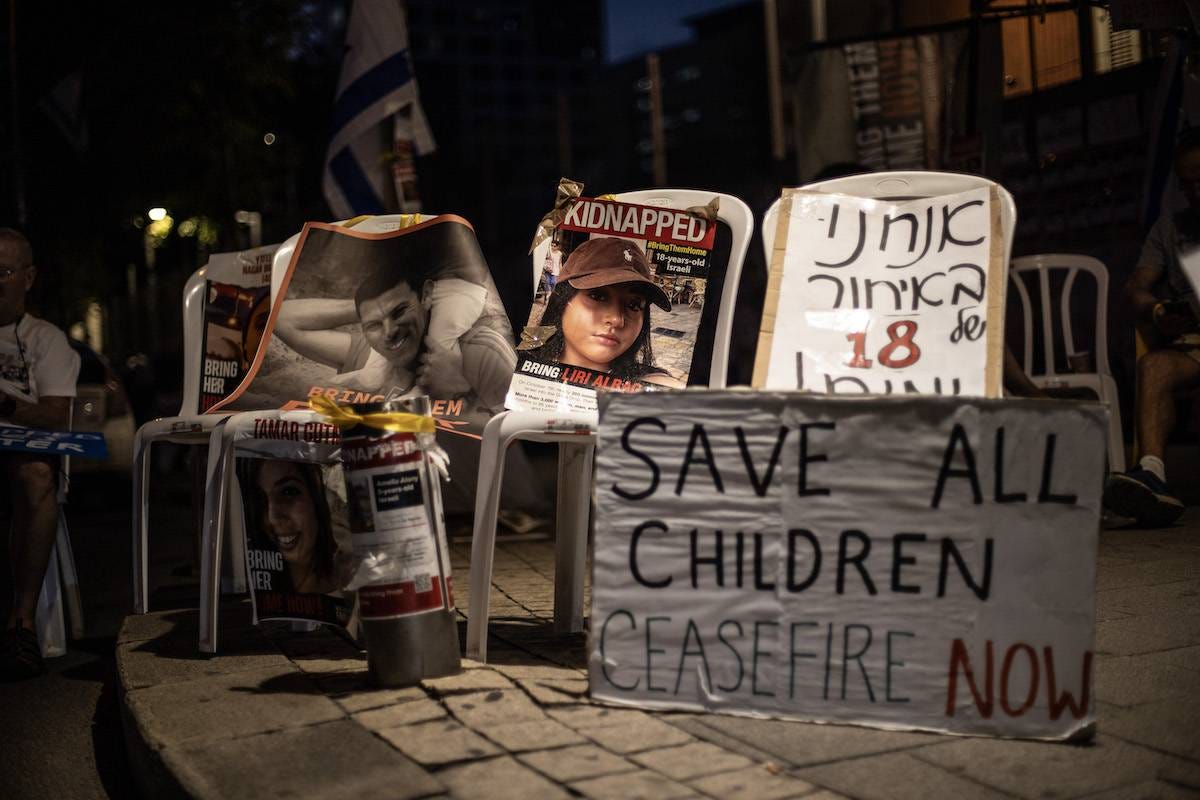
36	361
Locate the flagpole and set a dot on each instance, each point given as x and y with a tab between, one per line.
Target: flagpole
17	150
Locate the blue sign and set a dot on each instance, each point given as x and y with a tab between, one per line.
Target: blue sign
53	443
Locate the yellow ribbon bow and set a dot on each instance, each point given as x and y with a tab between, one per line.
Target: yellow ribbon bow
393	421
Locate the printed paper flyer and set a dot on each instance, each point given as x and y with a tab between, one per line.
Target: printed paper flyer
236	306
618	303
298	554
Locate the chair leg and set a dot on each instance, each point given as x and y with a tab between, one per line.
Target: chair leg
571	532
70	578
235	580
483	536
1116	440
141	523
216	501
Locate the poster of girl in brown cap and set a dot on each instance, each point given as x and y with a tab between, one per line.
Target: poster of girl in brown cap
622	313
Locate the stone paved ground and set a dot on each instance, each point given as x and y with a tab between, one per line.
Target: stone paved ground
289	714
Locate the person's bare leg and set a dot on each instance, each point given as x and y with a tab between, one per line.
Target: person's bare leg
35	523
1160	374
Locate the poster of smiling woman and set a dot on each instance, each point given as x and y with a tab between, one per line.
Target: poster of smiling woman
298	553
366	317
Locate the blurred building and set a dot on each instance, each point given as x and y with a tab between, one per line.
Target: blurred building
499	82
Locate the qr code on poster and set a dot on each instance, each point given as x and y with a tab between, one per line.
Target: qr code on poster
423	583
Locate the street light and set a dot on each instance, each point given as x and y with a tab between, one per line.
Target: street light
157	213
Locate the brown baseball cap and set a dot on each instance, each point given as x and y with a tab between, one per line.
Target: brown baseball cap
608	260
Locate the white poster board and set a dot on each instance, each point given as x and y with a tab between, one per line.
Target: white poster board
885	297
906	563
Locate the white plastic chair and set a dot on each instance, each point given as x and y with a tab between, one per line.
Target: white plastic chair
1058	315
61	582
190	426
575	435
233	435
902	185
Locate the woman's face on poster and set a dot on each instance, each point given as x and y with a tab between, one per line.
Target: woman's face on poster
599	325
289	513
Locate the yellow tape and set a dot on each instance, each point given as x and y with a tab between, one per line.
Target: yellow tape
394	421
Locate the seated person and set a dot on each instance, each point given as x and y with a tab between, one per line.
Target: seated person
38	370
1142	492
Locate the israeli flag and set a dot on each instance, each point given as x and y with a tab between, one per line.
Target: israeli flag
377	100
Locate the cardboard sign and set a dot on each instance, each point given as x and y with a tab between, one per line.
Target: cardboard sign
365	317
53	443
885	297
236	307
906	563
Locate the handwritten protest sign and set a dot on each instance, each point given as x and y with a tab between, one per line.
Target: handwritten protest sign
898	562
885	297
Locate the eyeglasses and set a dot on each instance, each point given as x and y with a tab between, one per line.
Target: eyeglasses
8	272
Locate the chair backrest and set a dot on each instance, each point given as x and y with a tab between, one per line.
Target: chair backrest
221	268
381	223
195	292
1059	315
902	185
735	214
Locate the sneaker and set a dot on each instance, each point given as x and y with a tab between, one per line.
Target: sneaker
20	656
1140	494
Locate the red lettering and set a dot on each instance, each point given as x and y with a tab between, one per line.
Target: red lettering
960	659
1006	668
1059	702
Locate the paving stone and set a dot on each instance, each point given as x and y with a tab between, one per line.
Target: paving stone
1118	637
752	783
801	743
1173	630
499	779
241	704
693	760
595	716
694	725
539	671
353	692
640	785
441	742
487	709
1144	600
643	734
537	734
304	762
1133	680
1168	725
1045	770
1142	573
1182	657
554	692
895	776
469	680
153	662
576	763
1146	790
397	714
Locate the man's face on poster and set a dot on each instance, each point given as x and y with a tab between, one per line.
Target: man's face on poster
394	324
